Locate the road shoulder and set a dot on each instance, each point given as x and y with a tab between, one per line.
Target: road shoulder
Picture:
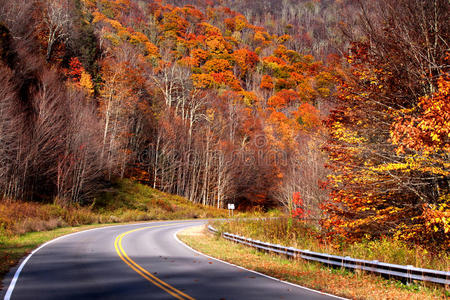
355	285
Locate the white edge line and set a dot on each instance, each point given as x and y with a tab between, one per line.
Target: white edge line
261	274
13	282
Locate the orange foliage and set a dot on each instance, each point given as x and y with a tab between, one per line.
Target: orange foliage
199	55
203	81
283	98
428	131
240	22
192	15
209	30
308	116
222	60
266	82
249	98
216	66
273	59
217	45
262	37
246	60
188	62
284	38
174	23
227	78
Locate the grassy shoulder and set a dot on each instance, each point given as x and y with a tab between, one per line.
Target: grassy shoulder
355	285
13	248
292	233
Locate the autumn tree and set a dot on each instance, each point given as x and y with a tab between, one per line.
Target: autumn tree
382	183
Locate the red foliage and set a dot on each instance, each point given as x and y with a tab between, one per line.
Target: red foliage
76	68
298	210
246	60
283	98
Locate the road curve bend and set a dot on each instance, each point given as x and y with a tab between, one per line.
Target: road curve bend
137	261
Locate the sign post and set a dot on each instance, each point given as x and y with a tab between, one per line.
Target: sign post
230	209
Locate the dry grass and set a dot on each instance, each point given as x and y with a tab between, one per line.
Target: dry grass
130	201
126	202
355	285
297	234
17	217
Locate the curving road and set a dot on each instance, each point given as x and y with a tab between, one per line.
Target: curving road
138	261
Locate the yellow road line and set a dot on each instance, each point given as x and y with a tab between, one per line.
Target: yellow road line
144	273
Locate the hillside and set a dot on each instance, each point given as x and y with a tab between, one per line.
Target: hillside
198	103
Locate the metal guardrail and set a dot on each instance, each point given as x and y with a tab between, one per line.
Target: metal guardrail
408	273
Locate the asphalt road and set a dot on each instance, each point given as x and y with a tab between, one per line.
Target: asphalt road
140	261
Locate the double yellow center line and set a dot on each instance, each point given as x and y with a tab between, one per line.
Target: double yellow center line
144	273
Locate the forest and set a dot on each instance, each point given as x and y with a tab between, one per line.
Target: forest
338	111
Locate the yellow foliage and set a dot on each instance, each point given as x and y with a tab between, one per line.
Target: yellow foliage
115	24
86	82
113	38
346	135
249	97
98	17
138	38
123	34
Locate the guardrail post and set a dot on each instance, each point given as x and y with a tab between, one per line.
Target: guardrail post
409	267
375	262
292	252
347	258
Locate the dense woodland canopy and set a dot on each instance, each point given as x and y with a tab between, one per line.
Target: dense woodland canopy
337	108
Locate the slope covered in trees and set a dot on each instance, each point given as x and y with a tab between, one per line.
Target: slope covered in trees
222	101
314	27
198	103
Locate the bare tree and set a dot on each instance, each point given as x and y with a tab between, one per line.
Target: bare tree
79	169
58	21
16	16
10	129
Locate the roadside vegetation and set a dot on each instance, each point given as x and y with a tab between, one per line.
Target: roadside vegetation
340	282
125	201
292	232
